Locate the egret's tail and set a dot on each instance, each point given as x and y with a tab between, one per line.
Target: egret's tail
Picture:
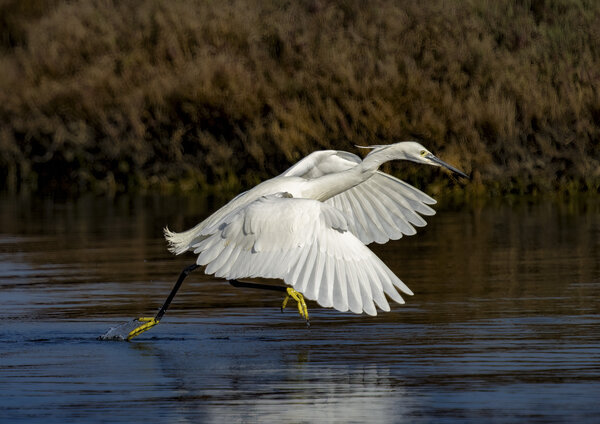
180	242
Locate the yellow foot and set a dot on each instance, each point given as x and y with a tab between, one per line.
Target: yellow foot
297	296
149	322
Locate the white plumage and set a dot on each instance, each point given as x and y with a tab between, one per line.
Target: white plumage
310	225
306	243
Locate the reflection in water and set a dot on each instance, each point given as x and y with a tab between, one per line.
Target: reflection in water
290	389
503	324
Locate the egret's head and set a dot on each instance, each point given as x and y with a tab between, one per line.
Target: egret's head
416	152
404	150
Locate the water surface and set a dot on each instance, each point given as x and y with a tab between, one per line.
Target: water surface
503	326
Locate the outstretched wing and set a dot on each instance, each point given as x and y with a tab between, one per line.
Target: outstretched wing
379	209
383	208
307	244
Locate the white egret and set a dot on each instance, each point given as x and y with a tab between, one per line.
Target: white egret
310	226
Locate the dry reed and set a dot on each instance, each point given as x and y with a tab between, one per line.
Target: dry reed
118	95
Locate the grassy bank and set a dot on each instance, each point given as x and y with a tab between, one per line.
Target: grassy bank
182	95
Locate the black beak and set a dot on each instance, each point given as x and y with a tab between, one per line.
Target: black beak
445	165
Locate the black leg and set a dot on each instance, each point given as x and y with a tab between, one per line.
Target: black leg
182	276
236	283
302	309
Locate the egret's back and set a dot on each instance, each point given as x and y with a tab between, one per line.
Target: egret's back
182	242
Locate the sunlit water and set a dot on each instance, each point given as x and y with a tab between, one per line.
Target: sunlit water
503	326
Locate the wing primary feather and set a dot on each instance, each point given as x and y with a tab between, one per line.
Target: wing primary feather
359	219
367	299
408	189
365	290
306	271
315	282
366	200
403	287
372	225
376	287
398	212
295	272
386	282
354	295
416	198
328	280
418	194
387	211
394	279
340	288
401	203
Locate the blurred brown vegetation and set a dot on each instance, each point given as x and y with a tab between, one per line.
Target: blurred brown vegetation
108	95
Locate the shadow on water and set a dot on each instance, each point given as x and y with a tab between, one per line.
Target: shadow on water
503	324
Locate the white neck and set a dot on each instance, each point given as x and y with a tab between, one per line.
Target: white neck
330	185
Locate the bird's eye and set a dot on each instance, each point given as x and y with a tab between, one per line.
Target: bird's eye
423	152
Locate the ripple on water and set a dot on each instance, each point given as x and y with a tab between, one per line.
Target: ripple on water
504	328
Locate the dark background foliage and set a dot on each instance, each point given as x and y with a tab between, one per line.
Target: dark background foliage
183	95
